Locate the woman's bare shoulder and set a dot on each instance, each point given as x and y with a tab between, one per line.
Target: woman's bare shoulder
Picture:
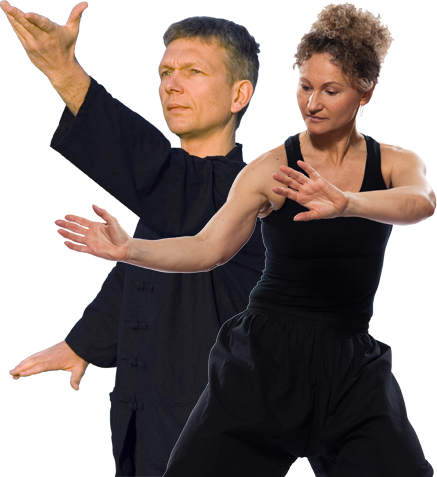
395	156
258	176
395	160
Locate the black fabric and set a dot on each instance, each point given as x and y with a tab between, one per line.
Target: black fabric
157	328
289	381
325	265
285	383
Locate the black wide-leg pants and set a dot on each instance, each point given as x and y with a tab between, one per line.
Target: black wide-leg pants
285	383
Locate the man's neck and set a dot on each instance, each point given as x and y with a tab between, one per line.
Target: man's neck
217	145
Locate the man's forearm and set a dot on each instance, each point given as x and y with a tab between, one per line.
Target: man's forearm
72	85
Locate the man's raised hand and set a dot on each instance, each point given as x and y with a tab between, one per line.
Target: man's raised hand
108	240
50	47
58	357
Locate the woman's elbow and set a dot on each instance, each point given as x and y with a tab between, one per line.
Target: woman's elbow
431	204
427	206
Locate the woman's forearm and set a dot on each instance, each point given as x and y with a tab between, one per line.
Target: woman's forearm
177	255
398	206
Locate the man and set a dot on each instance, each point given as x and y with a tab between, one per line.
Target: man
155	327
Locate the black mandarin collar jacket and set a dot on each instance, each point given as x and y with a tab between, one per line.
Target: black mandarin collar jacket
157	328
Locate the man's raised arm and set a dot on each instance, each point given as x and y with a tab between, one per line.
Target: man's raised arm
50	48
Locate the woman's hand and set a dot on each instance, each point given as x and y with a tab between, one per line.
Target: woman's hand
315	193
108	241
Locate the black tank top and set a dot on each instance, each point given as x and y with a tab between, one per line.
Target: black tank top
331	266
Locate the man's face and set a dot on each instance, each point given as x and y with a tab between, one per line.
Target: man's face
195	94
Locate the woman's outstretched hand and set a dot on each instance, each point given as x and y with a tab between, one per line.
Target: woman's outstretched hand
315	193
108	240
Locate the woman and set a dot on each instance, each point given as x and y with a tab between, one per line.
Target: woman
297	374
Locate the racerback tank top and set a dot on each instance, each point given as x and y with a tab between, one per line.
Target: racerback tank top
329	265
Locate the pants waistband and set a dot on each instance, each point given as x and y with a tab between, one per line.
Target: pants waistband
312	317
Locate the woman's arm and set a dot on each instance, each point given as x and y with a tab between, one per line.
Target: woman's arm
409	199
221	238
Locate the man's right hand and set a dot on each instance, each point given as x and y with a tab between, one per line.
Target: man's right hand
58	357
50	47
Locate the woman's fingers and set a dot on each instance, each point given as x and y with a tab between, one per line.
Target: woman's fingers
72	226
77	219
286	192
297	176
77	248
73	237
288	181
106	216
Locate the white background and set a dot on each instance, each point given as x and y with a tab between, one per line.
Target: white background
403	111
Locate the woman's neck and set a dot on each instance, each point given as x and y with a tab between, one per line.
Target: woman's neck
333	145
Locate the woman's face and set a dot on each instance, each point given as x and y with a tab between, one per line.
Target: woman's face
326	99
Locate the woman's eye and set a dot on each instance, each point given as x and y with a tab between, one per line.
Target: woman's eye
305	88
331	93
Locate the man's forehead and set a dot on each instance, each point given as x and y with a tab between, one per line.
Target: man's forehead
193	52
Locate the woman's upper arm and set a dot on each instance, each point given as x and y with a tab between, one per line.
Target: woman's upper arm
232	225
406	168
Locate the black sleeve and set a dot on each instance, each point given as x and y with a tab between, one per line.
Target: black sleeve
114	146
95	336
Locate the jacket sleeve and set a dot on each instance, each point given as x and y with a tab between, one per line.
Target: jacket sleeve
114	146
95	336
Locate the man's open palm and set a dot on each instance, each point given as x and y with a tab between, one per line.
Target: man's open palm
55	358
49	46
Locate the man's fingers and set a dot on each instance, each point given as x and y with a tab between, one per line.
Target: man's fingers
41	22
76	15
18	20
74	383
38	368
29	370
76	376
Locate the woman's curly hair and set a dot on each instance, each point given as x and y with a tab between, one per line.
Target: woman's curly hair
356	40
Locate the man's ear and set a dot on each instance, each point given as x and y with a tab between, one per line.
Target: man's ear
243	91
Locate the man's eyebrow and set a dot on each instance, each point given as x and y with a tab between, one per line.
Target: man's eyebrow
184	65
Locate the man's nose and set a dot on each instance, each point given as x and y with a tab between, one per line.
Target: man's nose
173	83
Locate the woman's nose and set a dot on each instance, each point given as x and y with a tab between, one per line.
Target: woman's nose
313	103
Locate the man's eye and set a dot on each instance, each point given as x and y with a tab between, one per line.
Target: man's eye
166	73
196	71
